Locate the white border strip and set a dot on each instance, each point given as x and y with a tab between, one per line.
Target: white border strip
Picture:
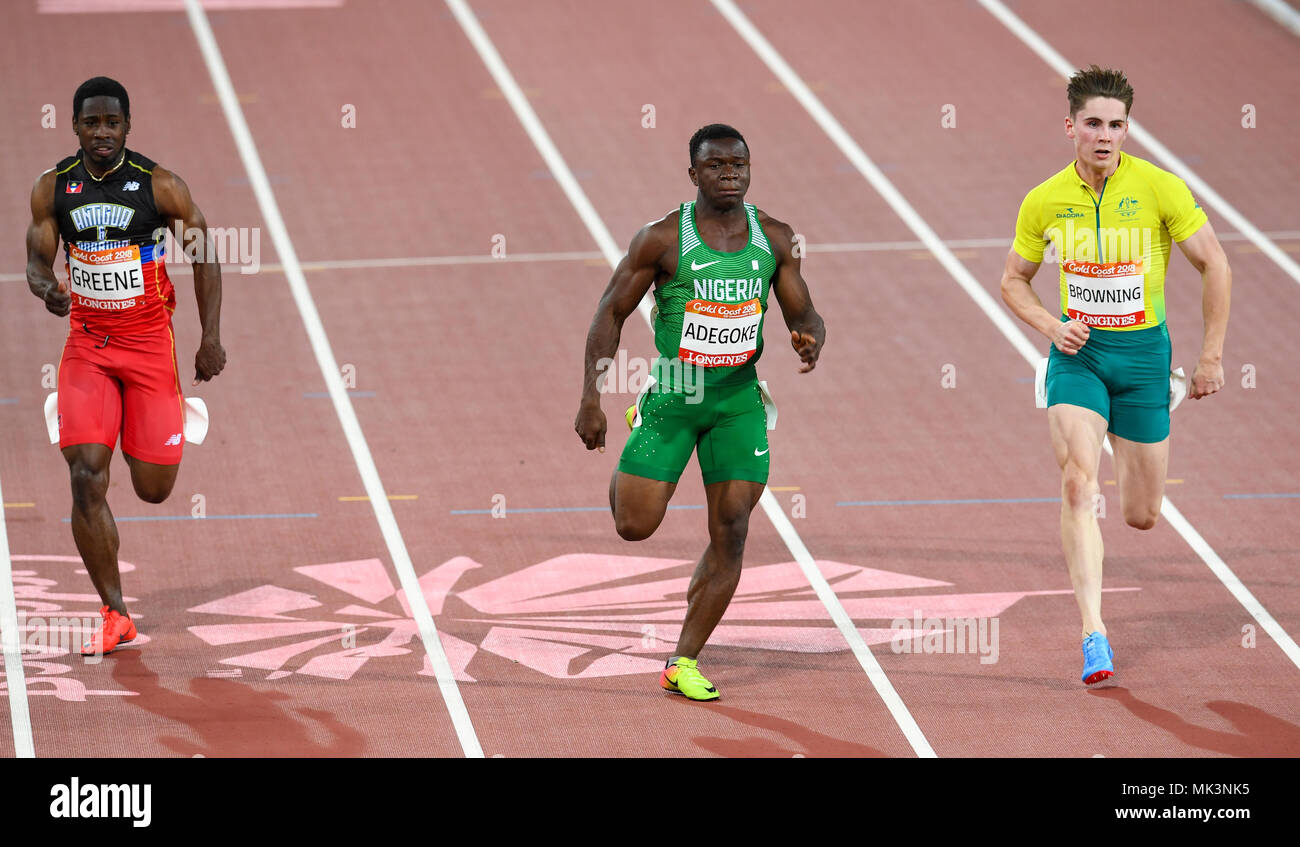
15	678
542	140
330	370
1012	332
1057	62
1281	12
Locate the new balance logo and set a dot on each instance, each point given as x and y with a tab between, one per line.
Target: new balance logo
131	186
173	441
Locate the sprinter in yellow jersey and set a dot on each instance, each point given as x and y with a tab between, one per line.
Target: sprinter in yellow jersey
1111	218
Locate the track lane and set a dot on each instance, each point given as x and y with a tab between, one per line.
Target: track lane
273	449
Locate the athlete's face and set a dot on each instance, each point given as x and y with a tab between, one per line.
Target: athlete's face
1098	131
721	171
101	128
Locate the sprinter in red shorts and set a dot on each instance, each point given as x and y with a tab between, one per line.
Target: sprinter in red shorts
118	375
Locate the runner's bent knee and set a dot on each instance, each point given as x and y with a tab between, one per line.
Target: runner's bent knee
1142	515
89	483
636	525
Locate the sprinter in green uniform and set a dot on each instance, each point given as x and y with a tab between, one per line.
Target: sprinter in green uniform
712	263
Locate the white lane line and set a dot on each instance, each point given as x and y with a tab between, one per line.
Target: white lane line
859	159
1230	580
15	679
542	141
333	380
383	262
855	154
540	138
1200	187
1281	12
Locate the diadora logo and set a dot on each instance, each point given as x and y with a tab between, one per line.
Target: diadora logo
1128	207
131	186
1069	213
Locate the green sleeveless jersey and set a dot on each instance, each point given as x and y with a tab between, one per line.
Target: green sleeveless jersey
708	320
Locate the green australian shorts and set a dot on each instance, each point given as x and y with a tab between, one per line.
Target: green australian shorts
1122	376
727	425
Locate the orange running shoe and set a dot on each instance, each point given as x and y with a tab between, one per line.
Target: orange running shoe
117	629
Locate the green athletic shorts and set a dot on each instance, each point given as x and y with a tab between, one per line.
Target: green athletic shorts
728	426
1122	376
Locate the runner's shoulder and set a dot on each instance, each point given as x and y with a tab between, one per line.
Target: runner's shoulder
656	238
1066	177
780	233
43	191
1159	179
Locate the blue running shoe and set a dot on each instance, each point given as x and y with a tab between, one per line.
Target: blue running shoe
1096	659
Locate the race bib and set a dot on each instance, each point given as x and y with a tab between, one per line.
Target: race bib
106	279
1110	295
718	335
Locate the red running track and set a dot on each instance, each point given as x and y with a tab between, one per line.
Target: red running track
466	375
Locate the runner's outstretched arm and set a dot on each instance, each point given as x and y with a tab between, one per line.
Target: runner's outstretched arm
1206	255
42	246
632	279
807	330
172	196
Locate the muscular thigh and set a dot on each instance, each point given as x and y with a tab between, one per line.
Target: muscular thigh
1077	434
1140	470
734	447
90	396
153	410
730	504
663	437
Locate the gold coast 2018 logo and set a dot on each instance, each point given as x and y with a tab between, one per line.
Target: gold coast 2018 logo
571	617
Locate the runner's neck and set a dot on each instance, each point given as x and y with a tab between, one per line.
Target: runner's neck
1097	178
101	177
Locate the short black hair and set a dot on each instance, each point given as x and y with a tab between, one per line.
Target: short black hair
712	132
100	86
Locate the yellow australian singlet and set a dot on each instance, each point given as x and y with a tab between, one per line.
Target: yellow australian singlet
1114	246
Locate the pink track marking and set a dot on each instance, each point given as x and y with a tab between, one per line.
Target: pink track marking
366	579
459	653
274	659
542	651
436	583
516	592
363	611
236	633
265	601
